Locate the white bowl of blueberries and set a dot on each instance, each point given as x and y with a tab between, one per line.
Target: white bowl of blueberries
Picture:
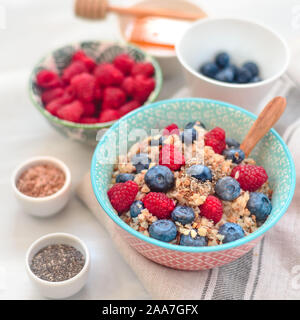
233	60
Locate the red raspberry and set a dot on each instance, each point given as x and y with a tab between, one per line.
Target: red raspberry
47	79
108	115
216	139
53	106
56	104
212	209
249	177
171	157
88	120
143	68
71	112
129	106
171	129
84	85
108	75
122	195
143	88
51	94
88	61
124	63
217	146
72	70
159	204
128	86
98	94
69	93
89	109
217	133
113	98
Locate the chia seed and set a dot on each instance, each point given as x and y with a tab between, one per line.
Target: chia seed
58	262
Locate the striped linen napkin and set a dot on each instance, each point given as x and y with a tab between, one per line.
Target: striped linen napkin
270	271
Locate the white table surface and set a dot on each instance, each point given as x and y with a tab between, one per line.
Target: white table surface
32	29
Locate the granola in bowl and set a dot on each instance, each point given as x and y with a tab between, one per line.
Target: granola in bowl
190	187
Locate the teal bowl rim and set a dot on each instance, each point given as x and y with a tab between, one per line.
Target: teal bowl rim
252	236
153	96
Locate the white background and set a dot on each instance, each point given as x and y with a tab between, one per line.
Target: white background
30	29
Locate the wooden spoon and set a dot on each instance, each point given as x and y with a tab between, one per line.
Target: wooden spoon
265	121
97	9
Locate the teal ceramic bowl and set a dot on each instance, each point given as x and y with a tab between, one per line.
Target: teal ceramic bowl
271	152
58	59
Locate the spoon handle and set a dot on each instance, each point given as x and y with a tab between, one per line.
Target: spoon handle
265	121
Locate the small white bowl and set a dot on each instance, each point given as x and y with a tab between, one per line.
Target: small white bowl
167	58
244	40
42	206
62	289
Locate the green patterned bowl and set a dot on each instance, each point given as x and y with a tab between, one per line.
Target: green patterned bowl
58	59
271	152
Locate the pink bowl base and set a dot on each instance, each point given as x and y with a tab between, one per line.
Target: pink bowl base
187	260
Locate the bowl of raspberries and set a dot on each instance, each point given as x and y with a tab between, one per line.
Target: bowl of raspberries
184	194
84	87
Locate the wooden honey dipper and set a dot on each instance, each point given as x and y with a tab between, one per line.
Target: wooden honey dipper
97	9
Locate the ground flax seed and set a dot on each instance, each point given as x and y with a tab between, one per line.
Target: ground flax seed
41	180
57	262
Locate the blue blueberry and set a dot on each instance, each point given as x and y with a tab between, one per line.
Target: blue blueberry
252	68
259	205
209	69
193	242
163	230
231	232
200	172
225	75
222	59
255	79
161	140
123	177
234	69
232	143
192	124
183	214
136	208
243	76
227	189
154	143
235	154
141	161
188	136
159	179
157	142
